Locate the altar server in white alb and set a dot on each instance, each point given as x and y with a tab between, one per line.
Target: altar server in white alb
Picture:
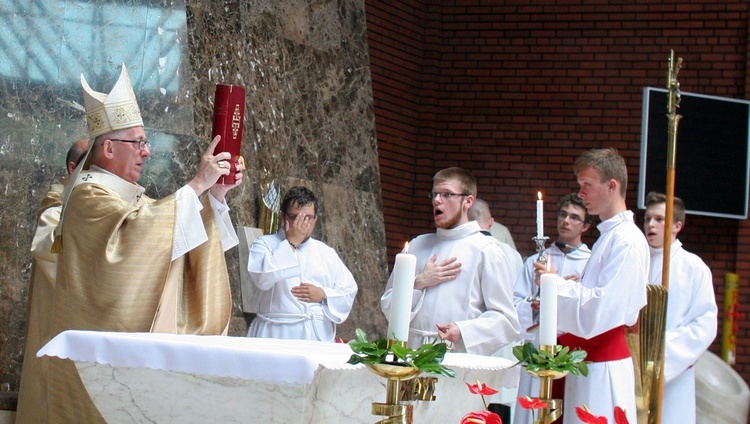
568	256
463	292
593	313
304	289
691	309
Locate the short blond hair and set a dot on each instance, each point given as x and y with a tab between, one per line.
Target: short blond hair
609	164
465	180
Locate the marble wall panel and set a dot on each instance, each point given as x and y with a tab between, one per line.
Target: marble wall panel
309	119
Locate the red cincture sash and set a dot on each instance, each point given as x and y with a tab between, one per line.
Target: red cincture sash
608	346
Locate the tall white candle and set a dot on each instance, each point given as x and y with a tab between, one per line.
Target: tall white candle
548	310
539	216
404	271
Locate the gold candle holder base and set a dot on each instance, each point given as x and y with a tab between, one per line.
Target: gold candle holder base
395	412
554	407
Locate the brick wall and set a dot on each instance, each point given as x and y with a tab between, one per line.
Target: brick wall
396	33
515	93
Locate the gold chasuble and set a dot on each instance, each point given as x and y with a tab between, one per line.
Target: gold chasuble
113	275
32	396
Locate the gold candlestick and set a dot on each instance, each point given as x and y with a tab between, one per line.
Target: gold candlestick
395	412
400	366
554	407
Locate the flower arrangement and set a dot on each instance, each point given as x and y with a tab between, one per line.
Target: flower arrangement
561	360
427	358
545	364
485	416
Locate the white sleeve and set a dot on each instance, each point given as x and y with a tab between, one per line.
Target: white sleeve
524	288
697	328
610	294
189	231
41	245
340	295
227	232
498	325
269	264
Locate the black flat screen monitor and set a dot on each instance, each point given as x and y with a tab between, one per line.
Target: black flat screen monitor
711	166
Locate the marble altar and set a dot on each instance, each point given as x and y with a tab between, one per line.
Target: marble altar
147	378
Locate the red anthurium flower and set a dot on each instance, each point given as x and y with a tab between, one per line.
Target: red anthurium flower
481	389
620	416
529	403
481	417
587	417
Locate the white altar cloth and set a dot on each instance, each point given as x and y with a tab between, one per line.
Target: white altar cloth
146	377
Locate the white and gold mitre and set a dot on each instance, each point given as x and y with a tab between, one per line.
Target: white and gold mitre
114	111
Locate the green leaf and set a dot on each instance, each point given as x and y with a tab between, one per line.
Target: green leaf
564	360
578	355
584	369
427	358
354	360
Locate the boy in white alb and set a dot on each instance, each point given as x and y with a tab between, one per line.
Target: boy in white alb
691	309
593	313
304	290
463	294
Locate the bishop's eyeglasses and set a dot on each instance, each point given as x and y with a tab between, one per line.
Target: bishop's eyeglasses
141	144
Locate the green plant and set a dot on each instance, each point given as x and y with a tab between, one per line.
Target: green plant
563	359
427	358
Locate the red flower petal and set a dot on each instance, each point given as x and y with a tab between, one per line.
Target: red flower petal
529	403
481	389
481	417
589	418
621	417
473	388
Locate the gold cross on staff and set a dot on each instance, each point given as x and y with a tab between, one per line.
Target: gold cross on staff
672	84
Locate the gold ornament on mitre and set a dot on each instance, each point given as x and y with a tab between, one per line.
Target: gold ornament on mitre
114	111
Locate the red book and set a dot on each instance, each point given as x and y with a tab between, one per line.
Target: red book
229	116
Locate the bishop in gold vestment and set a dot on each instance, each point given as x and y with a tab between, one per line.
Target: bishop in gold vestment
116	274
130	263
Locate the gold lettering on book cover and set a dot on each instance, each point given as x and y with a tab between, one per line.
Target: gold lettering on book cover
236	121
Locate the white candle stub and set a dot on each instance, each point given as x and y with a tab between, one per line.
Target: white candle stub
404	271
548	310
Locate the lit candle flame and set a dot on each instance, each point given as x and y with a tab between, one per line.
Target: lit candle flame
539	195
406	247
